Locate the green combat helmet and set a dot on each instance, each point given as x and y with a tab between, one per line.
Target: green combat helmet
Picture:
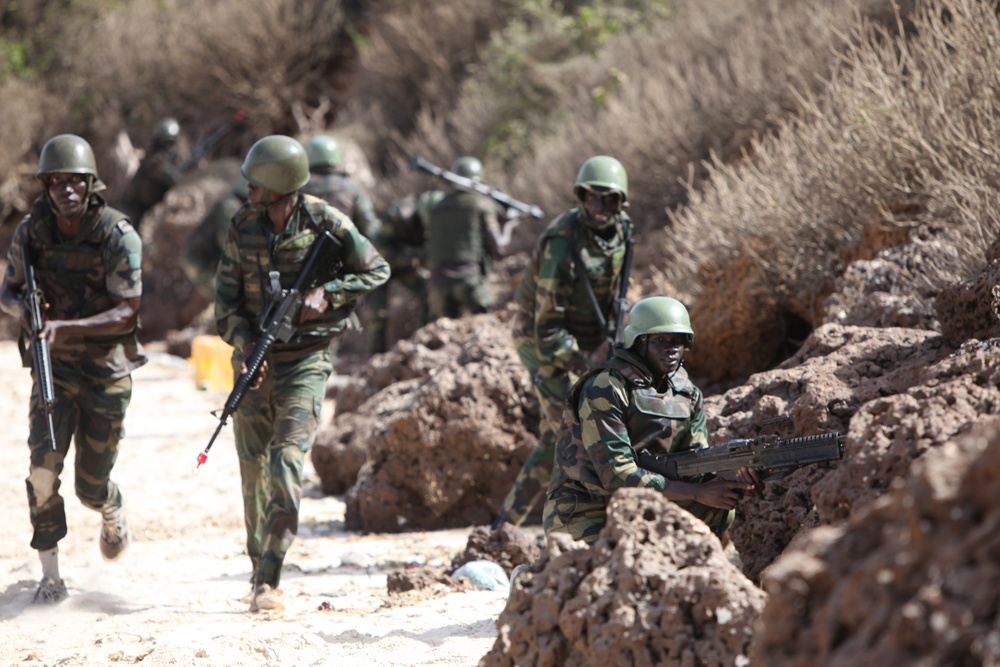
67	154
467	167
277	163
324	151
655	315
602	173
166	130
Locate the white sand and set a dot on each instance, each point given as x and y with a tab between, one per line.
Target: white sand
173	599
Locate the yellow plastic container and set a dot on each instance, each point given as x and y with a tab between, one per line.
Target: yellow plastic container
211	359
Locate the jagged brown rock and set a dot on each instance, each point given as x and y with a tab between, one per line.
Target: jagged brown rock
911	578
443	448
508	546
655	589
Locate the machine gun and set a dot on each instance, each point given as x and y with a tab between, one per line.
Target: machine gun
208	143
278	322
769	454
505	200
41	357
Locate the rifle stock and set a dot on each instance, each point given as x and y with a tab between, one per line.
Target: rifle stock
500	197
277	323
41	357
769	454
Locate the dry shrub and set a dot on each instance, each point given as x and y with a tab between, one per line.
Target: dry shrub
664	93
27	113
127	64
908	117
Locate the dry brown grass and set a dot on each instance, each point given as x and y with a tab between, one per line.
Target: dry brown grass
909	117
664	96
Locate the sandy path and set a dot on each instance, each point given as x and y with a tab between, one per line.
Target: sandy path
174	597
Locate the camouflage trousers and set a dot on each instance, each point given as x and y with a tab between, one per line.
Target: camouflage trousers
90	413
551	386
454	297
275	426
583	516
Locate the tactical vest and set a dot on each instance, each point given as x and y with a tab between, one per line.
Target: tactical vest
262	252
657	422
455	231
72	274
603	263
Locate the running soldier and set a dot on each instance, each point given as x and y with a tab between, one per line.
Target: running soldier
87	261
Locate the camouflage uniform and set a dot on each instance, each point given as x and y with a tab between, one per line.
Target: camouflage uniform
461	234
402	243
204	245
80	277
276	424
555	330
612	413
157	173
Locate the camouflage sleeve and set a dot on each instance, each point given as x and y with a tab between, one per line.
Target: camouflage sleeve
603	402
364	217
365	268
554	287
13	277
123	258
231	320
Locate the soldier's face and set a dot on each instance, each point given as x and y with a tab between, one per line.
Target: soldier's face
664	352
68	192
601	206
257	195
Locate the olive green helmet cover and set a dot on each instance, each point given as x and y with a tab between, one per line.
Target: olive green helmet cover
277	163
67	154
655	315
602	173
467	167
324	151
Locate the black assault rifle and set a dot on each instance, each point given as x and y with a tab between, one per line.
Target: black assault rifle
769	454
209	142
498	196
278	322
41	357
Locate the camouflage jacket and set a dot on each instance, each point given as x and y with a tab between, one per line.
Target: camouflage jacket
157	173
82	276
553	310
615	411
251	251
204	246
461	232
404	225
344	194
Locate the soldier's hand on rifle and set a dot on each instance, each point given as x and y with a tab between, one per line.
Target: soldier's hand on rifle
314	304
247	351
721	493
751	476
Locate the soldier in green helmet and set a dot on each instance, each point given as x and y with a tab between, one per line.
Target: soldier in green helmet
329	180
464	237
204	246
641	399
276	423
403	225
158	171
556	329
87	261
